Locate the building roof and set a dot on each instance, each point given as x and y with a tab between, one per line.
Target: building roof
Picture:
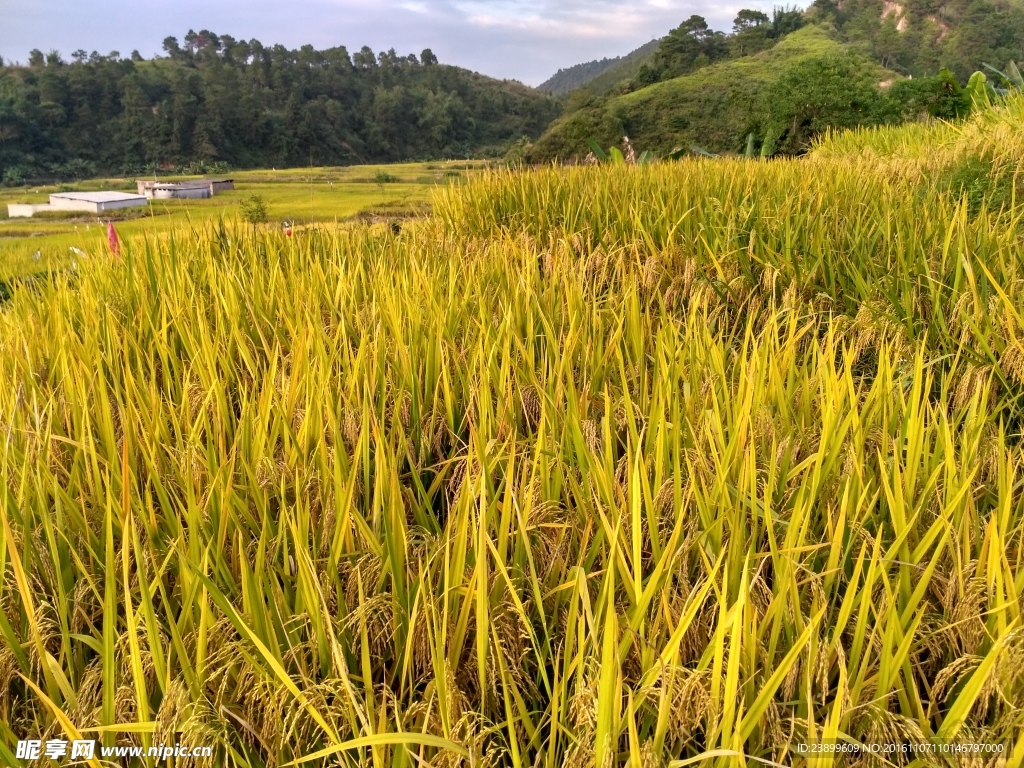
190	184
99	197
181	185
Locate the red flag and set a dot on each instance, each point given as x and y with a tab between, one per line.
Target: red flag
112	239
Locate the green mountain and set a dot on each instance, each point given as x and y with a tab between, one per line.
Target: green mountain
215	100
599	76
785	82
783	96
920	37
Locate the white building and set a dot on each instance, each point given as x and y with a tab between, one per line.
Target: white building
88	202
95	202
184	190
20	211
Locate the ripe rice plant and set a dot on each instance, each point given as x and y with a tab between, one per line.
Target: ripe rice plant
619	466
924	151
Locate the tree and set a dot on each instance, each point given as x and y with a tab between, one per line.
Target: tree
821	93
949	101
786	21
697	28
365	59
14	177
940	96
747	19
647	75
389	60
427	58
439	117
254	210
241	52
689	46
826	10
206	39
750	32
247	105
172	48
36	59
888	43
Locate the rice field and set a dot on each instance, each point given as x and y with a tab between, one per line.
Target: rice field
685	464
990	143
323	197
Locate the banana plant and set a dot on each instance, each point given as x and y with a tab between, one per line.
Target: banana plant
703	152
751	146
977	91
680	152
615	156
1011	78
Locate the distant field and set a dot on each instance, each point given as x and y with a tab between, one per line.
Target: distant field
301	196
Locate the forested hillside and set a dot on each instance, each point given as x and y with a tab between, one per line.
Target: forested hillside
694	44
688	47
861	62
214	99
920	37
599	76
783	96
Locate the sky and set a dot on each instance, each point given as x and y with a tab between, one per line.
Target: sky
526	40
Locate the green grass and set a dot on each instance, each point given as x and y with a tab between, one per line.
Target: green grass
303	196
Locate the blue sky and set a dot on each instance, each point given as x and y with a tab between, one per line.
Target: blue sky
526	40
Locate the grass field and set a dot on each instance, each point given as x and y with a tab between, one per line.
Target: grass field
305	196
685	464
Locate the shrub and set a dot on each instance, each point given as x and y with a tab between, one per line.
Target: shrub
15	176
254	210
75	169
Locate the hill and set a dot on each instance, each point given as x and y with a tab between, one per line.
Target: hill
599	76
785	84
919	37
784	95
219	100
